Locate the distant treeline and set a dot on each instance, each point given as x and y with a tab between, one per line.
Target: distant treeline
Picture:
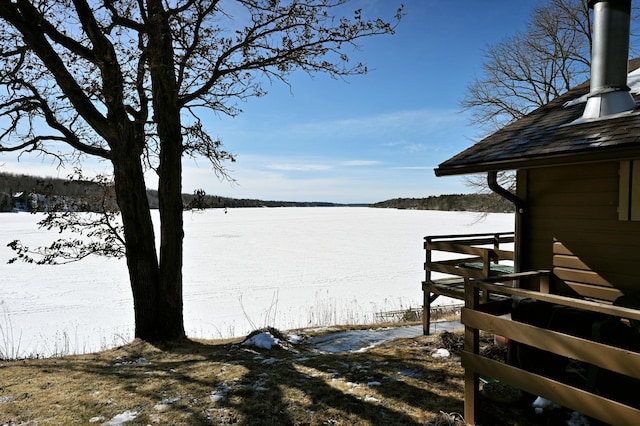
24	192
486	203
214	201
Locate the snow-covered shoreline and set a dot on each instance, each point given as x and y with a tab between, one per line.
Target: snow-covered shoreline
246	269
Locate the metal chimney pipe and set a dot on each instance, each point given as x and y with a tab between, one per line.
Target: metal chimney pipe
609	93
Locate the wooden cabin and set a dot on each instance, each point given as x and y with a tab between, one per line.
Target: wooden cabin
574	295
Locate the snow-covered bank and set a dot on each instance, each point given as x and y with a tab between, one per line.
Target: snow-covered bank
246	269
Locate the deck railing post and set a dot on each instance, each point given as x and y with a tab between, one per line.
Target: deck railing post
426	296
427	243
471	345
544	283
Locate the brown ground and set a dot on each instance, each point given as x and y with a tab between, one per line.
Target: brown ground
224	382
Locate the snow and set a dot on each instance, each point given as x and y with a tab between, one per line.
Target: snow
633	81
441	353
541	404
245	270
361	340
264	340
167	402
581	100
122	418
578	419
216	397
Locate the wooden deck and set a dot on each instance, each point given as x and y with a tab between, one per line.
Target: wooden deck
474	256
451	287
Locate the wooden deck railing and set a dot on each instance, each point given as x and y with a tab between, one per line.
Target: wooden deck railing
474	256
478	315
478	269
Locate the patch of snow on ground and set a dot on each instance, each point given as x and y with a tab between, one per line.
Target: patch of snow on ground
165	403
219	393
441	353
139	361
541	404
360	340
578	419
264	340
295	339
216	397
122	418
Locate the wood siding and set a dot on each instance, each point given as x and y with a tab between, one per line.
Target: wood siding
577	207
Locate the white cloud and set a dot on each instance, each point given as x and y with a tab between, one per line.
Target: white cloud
288	167
342	181
411	121
360	163
414	147
414	168
405	146
394	126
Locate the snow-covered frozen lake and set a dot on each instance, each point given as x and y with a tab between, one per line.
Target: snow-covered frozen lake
246	269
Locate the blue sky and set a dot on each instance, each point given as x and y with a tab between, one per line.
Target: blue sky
367	139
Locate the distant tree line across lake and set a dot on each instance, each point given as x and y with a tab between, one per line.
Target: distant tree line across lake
33	193
20	192
486	203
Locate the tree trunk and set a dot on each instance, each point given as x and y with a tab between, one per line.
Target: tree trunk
167	117
157	302
142	260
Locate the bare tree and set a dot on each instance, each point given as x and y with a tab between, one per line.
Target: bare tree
529	69
129	81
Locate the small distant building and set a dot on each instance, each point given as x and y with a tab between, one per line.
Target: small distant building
21	201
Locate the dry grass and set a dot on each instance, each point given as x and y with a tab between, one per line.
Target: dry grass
224	382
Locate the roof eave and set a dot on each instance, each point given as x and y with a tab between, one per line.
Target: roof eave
591	156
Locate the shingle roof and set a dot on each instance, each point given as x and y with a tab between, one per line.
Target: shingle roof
546	137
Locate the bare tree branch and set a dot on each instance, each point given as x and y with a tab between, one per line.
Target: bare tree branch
531	68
